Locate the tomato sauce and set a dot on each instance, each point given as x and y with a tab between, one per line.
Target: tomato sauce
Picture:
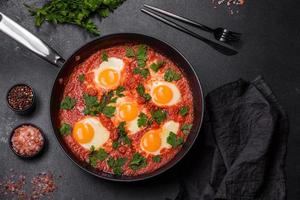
76	89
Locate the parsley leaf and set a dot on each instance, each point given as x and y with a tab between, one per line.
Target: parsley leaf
159	116
115	144
141	91
141	55
96	155
143	120
81	78
76	12
123	137
104	56
68	103
130	52
171	75
183	111
173	140
144	72
94	107
116	164
65	129
156	66
186	128
137	162
156	159
119	91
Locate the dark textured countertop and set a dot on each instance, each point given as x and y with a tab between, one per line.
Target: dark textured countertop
271	46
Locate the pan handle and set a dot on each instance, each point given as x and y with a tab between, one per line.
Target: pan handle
29	40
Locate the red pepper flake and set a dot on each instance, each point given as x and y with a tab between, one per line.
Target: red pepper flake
27	140
232	5
40	186
20	97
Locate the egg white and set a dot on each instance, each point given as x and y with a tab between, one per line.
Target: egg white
169	126
111	63
176	92
101	134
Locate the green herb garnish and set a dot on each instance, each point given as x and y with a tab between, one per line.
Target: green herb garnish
186	128
183	111
65	129
116	164
68	103
81	78
173	140
143	120
94	107
96	155
156	66
119	91
159	116
130	52
137	162
76	12
123	137
156	159
144	72
115	144
141	91
141	55
104	56
171	75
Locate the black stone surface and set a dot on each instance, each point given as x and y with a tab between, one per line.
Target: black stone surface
271	46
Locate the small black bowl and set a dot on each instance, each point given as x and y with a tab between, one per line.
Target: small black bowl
22	156
30	108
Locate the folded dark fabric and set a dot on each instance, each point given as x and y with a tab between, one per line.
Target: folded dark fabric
250	130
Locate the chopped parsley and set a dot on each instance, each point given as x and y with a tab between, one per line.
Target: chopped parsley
137	162
130	52
159	116
156	66
144	72
116	164
75	12
143	120
186	128
171	75
65	129
173	140
104	56
183	111
96	155
81	78
141	91
156	159
123	137
141	55
119	91
94	107
115	144
68	103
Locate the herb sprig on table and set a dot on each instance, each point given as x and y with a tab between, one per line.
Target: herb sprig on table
76	12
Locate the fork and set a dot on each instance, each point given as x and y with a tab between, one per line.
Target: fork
220	34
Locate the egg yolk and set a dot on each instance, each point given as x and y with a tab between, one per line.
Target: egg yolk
109	78
83	133
151	140
128	111
162	94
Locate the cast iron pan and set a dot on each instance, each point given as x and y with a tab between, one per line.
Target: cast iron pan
42	49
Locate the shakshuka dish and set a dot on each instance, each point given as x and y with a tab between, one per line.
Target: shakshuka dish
126	110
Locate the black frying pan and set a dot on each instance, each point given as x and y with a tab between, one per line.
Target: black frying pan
40	48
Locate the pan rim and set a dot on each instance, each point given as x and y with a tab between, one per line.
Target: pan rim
165	167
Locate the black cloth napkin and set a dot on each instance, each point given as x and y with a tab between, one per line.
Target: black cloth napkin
249	129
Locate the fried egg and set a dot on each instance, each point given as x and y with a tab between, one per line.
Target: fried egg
90	132
153	141
108	75
164	93
128	110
